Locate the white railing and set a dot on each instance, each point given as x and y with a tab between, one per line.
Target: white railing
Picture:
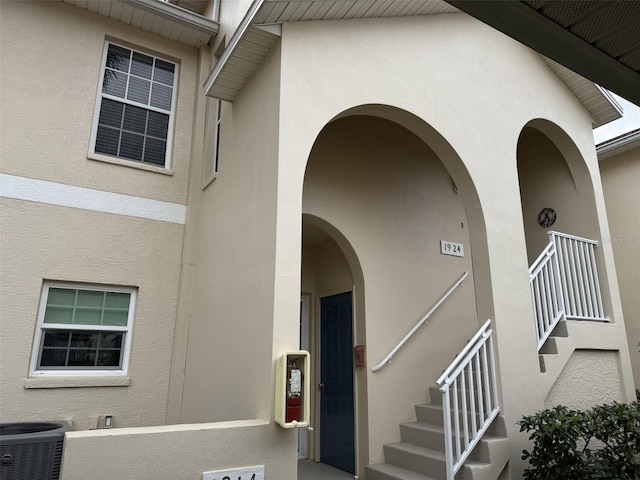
469	398
579	274
564	283
421	322
548	303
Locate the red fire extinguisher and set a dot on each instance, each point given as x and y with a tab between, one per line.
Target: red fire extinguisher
294	393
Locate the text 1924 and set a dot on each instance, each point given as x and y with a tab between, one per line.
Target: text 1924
451	248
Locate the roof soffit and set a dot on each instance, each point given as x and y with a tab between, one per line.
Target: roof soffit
250	44
162	18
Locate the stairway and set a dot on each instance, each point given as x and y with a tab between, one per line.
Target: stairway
420	453
549	350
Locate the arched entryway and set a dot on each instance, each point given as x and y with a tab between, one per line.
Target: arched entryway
561	229
553	176
331	283
381	191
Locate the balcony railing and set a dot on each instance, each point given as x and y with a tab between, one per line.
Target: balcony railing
564	283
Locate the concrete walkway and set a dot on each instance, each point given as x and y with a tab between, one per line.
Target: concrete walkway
310	470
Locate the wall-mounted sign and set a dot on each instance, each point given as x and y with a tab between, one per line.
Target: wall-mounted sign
547	217
245	473
451	248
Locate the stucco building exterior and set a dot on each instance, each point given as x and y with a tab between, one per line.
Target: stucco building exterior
620	169
189	190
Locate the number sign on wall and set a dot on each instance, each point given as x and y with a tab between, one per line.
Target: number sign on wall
451	248
246	473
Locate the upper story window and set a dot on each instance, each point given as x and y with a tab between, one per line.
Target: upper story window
135	107
83	330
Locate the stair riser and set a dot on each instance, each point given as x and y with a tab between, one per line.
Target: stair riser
550	347
433	415
489	450
418	463
437	397
373	474
424	438
435	441
429	414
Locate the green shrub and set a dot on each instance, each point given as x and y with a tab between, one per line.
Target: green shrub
600	443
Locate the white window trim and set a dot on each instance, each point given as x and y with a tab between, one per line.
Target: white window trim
41	326
99	96
213	127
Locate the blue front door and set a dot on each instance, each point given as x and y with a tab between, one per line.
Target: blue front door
337	446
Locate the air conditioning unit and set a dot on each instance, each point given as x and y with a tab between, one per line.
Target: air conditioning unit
31	450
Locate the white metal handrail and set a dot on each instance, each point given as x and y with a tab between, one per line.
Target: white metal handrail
469	398
579	274
564	283
421	322
546	294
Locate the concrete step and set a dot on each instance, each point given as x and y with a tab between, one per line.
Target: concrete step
549	352
560	329
423	434
432	437
425	461
432	414
418	459
550	347
490	449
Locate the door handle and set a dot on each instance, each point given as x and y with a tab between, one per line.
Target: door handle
321	385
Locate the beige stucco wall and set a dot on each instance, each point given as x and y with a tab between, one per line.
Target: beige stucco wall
620	180
49	87
231	337
179	451
589	378
422	67
50	69
46	242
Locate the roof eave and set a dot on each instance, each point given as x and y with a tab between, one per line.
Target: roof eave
618	145
196	30
177	14
241	58
601	106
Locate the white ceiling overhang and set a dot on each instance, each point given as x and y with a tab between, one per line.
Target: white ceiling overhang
617	145
259	30
601	105
159	17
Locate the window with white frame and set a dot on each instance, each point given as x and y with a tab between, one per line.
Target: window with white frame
134	110
213	121
83	330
